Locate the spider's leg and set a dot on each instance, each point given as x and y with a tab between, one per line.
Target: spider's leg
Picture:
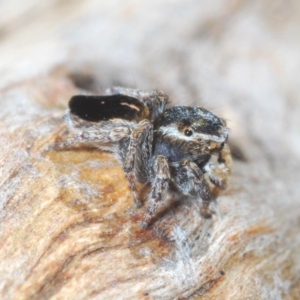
91	137
219	174
160	186
137	156
190	180
103	135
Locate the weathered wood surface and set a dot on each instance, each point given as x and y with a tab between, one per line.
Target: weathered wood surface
68	229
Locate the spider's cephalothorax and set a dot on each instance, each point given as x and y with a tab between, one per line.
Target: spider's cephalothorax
192	133
169	148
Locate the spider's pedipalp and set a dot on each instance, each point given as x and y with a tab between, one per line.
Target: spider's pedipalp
219	173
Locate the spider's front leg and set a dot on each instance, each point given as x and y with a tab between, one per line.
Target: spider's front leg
219	174
190	180
136	158
159	185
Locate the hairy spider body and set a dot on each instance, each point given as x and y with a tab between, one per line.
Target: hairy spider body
170	148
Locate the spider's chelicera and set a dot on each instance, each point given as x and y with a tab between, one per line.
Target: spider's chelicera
169	148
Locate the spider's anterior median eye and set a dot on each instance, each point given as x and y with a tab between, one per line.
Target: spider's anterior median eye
188	132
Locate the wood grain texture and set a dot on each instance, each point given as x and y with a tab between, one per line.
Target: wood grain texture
68	227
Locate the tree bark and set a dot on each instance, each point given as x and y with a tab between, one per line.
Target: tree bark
68	226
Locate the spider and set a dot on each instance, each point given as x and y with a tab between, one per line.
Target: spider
170	148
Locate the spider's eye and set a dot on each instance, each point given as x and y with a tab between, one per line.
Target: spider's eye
188	132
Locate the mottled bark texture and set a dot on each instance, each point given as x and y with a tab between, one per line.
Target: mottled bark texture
68	227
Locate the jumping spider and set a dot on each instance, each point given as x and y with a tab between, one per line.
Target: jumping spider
169	148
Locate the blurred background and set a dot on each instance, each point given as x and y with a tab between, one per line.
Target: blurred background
240	59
